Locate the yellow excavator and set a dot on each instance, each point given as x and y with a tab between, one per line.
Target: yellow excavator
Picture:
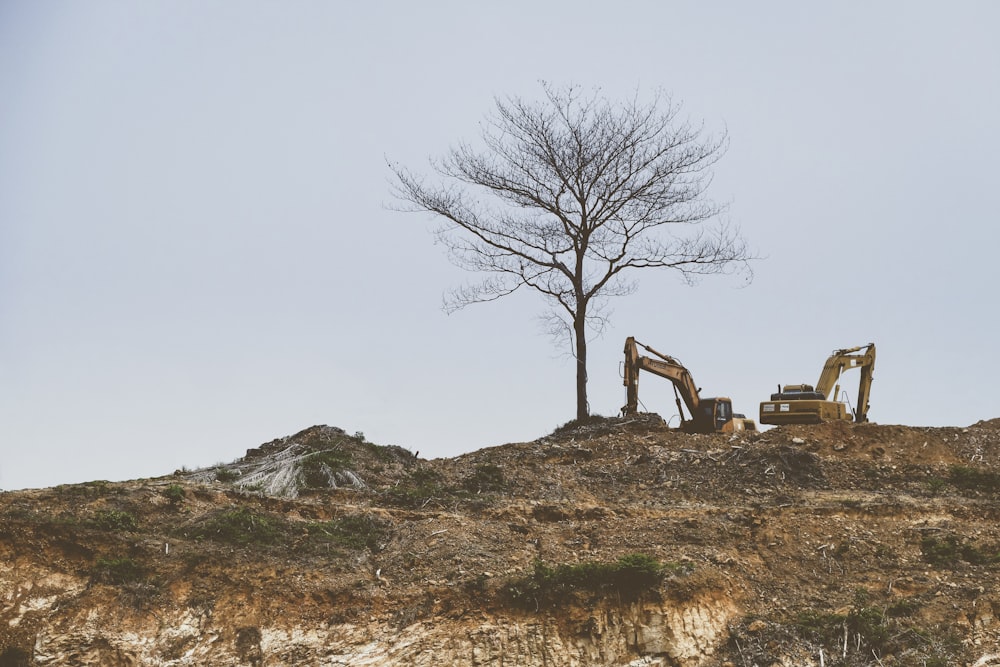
708	415
805	404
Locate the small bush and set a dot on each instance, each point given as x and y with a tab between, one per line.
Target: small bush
422	487
948	551
902	608
116	520
867	624
242	527
486	478
95	489
353	532
935	485
226	475
966	478
390	453
630	577
319	469
871	630
174	493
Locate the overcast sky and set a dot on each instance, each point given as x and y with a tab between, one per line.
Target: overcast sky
196	254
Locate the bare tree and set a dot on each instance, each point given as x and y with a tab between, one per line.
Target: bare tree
570	194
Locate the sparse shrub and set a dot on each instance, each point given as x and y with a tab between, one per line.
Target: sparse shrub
420	489
320	468
869	623
966	478
486	478
820	627
352	532
948	551
871	630
174	493
95	489
630	578
226	475
478	585
390	453
242	527
940	552
935	485
902	608
866	624
117	520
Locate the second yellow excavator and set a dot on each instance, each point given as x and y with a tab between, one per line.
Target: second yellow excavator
708	415
805	404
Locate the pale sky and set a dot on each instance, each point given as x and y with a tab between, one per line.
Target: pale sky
196	253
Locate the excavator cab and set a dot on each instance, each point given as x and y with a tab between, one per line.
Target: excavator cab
712	415
715	415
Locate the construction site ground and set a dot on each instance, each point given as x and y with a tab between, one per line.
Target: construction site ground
868	544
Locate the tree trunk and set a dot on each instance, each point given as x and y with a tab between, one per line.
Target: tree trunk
580	333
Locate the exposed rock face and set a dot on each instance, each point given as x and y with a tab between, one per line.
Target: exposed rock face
684	635
837	544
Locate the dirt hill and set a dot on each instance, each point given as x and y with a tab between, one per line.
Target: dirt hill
619	542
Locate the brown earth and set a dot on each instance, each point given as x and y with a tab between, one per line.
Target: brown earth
835	544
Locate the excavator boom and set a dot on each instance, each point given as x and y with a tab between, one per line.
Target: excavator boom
666	367
707	415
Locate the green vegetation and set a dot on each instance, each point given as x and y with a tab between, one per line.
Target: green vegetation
966	478
935	485
629	578
319	469
226	475
242	527
96	489
421	488
949	551
872	630
863	621
247	527
424	487
174	493
114	520
352	532
486	478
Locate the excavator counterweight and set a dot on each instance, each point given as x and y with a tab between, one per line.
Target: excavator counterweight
805	404
708	415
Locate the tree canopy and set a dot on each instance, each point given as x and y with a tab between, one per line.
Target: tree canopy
568	196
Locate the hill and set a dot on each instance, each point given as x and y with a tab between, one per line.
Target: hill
618	542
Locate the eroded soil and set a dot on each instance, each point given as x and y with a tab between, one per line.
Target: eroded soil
873	544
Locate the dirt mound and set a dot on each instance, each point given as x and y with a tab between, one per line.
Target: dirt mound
875	544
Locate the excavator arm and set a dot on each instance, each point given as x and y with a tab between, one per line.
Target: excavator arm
840	361
865	388
708	415
666	367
